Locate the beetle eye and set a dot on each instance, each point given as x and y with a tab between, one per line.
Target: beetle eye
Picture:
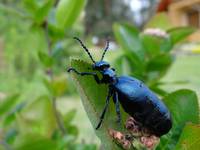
113	69
104	67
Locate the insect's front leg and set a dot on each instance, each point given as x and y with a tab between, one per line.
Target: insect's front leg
85	73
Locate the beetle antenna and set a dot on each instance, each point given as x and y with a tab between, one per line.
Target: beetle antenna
106	48
85	48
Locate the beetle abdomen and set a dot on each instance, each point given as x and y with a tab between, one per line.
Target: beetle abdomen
143	105
158	123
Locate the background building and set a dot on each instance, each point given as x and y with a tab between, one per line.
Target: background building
183	13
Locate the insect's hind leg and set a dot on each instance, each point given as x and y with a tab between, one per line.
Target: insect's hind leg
85	73
117	107
110	93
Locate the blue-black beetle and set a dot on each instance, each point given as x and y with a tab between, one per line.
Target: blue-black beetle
135	98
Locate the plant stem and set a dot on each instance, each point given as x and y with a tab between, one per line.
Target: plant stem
58	119
50	74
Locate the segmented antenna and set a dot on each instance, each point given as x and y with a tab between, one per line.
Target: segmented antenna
106	48
85	48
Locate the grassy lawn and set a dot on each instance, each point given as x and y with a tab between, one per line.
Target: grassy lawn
185	68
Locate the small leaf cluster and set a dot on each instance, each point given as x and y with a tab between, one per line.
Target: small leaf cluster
147	56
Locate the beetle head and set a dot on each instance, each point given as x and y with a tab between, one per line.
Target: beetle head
101	65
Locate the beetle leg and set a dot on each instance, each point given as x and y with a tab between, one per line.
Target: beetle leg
117	107
105	108
80	73
85	73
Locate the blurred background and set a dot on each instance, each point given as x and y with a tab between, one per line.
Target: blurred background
39	105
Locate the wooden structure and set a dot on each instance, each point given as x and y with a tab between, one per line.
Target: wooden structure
186	13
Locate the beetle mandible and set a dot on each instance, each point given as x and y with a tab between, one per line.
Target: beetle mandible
134	96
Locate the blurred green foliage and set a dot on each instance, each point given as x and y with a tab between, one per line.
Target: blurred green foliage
34	34
189	138
188	112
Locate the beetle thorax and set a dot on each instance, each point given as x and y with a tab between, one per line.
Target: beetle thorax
108	74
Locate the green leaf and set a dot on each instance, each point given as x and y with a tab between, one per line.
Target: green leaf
158	90
47	83
68	11
184	108
8	103
157	66
10	135
34	142
159	63
43	11
166	45
155	45
57	86
72	130
86	147
180	33
187	103
54	30
126	65
30	5
39	9
151	44
69	116
93	98
57	49
67	141
128	38
190	138
45	59
37	117
11	116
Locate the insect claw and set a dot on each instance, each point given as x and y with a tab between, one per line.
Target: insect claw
99	124
69	69
97	127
